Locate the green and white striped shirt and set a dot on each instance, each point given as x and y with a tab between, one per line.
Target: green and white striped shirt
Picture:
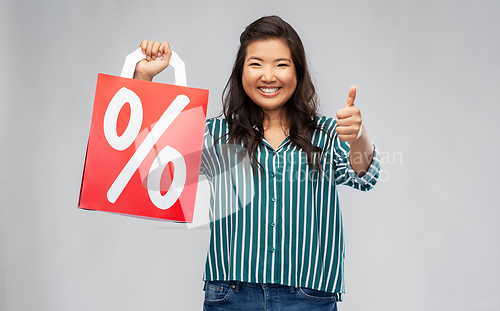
282	224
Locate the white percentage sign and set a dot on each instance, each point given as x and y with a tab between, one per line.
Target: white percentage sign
166	155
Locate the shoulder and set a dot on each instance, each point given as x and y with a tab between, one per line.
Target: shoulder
218	124
325	133
215	128
326	124
216	121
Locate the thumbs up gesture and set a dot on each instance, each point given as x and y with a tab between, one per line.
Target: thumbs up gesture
349	119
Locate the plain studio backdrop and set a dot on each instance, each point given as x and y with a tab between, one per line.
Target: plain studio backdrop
427	72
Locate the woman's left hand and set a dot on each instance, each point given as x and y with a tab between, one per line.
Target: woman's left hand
350	129
349	119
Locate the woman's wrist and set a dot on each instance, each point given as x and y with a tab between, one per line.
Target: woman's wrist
143	77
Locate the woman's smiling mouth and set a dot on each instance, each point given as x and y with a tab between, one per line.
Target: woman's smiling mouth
269	91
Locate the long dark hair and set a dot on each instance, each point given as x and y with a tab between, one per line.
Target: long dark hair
245	118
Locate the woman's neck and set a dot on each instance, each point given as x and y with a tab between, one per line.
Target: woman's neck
275	120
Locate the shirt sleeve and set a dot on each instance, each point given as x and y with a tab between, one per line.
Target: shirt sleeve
206	156
344	173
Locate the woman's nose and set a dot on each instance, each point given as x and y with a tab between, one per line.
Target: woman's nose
268	76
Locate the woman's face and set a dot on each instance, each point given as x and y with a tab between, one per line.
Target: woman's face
269	77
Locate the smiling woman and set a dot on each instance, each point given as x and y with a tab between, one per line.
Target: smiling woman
276	231
270	49
269	79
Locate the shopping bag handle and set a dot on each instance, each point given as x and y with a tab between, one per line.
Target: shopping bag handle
136	56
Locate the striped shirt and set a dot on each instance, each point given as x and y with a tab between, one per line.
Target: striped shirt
282	224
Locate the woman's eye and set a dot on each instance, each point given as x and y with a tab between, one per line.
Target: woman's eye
254	64
283	65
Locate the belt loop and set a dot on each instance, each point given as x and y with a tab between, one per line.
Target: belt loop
338	297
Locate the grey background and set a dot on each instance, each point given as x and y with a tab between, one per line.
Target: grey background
427	237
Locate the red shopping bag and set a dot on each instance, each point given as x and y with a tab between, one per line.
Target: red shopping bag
144	148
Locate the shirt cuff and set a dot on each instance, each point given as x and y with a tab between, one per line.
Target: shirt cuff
370	178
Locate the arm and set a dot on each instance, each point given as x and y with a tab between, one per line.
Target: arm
157	59
361	153
350	129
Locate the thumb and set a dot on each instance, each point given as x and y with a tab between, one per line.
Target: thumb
351	98
167	53
165	60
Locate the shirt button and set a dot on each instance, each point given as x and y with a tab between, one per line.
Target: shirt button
273	224
273	174
273	199
274	153
272	249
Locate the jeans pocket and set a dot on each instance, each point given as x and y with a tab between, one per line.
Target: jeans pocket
316	295
217	291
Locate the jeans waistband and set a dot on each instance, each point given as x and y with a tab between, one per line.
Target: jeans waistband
236	285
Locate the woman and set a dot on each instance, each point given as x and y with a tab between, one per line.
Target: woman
276	230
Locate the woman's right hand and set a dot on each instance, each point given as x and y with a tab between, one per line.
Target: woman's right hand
157	59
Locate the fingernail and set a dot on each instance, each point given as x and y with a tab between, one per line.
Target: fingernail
148	58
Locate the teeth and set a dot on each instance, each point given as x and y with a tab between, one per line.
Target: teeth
269	89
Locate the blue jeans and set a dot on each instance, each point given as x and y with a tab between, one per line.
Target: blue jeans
222	295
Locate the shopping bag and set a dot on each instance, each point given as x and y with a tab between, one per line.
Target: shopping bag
144	148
